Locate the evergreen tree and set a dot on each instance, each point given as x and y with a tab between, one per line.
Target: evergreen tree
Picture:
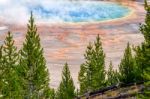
33	65
142	51
66	89
11	87
112	76
85	69
92	72
52	94
49	93
1	72
143	54
127	67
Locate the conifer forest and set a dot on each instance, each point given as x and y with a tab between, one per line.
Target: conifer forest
24	73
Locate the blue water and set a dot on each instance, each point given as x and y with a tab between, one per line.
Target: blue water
83	11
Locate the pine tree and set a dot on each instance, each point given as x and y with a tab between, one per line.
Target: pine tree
33	65
142	51
52	94
85	69
1	71
66	89
92	72
143	54
112	75
11	81
127	67
99	64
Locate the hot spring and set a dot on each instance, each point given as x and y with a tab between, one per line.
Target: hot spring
63	11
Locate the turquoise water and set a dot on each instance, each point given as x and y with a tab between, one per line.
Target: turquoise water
83	11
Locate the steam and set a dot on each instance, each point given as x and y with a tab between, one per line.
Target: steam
18	11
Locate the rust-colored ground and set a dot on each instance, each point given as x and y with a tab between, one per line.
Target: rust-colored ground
67	42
